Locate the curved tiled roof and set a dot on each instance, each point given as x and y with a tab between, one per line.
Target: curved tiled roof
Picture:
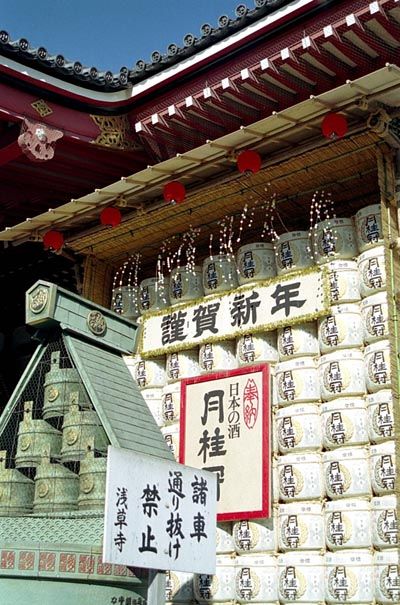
90	77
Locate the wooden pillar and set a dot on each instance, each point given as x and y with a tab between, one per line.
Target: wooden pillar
97	281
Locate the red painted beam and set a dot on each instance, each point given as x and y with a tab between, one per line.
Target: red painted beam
9	153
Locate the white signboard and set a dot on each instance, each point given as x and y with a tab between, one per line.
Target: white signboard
281	301
159	514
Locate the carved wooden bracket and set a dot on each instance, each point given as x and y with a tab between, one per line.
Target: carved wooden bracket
37	141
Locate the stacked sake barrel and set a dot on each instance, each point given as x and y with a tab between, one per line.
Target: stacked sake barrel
333	533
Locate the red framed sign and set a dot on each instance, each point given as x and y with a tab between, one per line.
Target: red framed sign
225	428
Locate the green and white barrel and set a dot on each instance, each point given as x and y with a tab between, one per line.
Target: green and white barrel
348	523
80	429
349	577
56	488
16	490
33	437
92	481
59	384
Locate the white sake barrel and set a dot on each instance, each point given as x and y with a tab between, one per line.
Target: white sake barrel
255	579
178	586
299	340
372	271
297	381
301	526
256	348
219	587
341	329
171	438
125	301
154	294
301	577
387	576
300	477
348	523
368	226
385	527
349	577
298	427
153	399
342	374
346	473
374	311
148	373
170	406
334	239
344	422
275	481
185	284
292	252
224	538
219	274
217	356
255	262
383	468
182	364
377	366
255	535
344	282
380	416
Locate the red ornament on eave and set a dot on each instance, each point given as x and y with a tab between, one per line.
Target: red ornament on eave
110	217
174	192
249	161
53	240
334	126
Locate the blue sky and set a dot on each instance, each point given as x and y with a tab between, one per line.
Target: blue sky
110	33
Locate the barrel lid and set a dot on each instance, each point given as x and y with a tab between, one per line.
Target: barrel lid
303	409
305	557
342	265
303	508
349	558
344	453
256	560
388	556
342	403
382	396
378	298
334	222
345	308
292	235
255	245
348	504
300	363
373	208
341	355
384	502
380	345
371	253
381	449
299	458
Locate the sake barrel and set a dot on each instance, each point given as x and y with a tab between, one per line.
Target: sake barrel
153	398
275	481
185	283
255	578
368	226
300	477
125	301
16	490
219	274
387	576
346	472
148	373
182	364
80	429
377	366
60	382
171	438
341	329
349	577
217	356
178	586
383	468
92	482
344	282
224	538
342	374
348	523
219	587
299	340
374	310
334	239
372	271
344	422
255	535
298	427
154	294
297	381
385	527
56	489
35	435
301	526
380	416
292	252
255	262
301	577
170	405
256	348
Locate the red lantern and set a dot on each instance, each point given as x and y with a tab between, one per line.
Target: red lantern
249	161
334	126
110	216
174	192
53	240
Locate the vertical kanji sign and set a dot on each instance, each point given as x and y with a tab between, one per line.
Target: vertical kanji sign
159	514
225	429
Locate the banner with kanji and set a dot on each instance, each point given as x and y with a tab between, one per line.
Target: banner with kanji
225	429
284	300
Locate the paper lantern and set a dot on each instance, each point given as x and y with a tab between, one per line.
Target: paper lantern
110	216
174	192
53	240
334	126
249	161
